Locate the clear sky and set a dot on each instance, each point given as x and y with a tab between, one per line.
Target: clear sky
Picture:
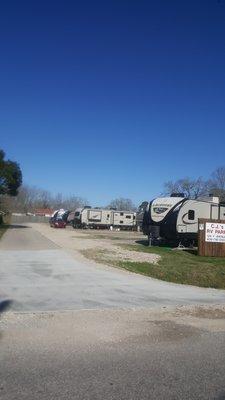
112	98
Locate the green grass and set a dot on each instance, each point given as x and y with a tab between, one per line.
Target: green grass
179	267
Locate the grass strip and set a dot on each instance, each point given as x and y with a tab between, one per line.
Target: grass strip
179	266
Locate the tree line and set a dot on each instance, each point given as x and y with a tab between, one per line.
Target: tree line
31	198
15	197
193	188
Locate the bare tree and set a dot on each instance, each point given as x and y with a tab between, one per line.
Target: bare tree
122	204
57	202
44	198
25	200
218	178
191	188
30	198
217	183
73	202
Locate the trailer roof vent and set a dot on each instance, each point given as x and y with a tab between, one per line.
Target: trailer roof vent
177	195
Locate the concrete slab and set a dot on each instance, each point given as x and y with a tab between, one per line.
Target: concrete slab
52	280
23	237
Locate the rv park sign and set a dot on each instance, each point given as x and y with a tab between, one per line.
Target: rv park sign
215	232
211	237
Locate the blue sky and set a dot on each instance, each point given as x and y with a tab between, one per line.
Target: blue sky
104	99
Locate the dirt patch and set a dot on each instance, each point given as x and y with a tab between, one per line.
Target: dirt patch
116	254
120	254
164	331
97	246
145	326
206	312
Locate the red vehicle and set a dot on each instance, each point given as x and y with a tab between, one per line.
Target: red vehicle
59	219
58	223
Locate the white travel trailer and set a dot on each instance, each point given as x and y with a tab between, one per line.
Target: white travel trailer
175	219
124	219
88	217
91	217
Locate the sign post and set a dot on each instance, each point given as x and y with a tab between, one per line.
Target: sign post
211	238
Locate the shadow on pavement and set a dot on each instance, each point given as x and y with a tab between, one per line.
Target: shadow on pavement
5	305
13	226
143	242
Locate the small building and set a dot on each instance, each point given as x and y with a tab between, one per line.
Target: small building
43	212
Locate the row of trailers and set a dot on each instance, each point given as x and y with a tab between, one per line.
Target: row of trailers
104	218
171	219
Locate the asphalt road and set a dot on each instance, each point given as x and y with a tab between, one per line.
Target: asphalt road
111	355
148	350
39	276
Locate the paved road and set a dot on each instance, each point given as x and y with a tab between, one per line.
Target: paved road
103	353
39	276
112	355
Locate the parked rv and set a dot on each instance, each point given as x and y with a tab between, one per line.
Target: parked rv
70	218
124	219
140	214
103	218
175	219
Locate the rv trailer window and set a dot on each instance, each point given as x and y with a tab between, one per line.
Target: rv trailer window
121	222
128	216
160	210
121	214
191	215
77	213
